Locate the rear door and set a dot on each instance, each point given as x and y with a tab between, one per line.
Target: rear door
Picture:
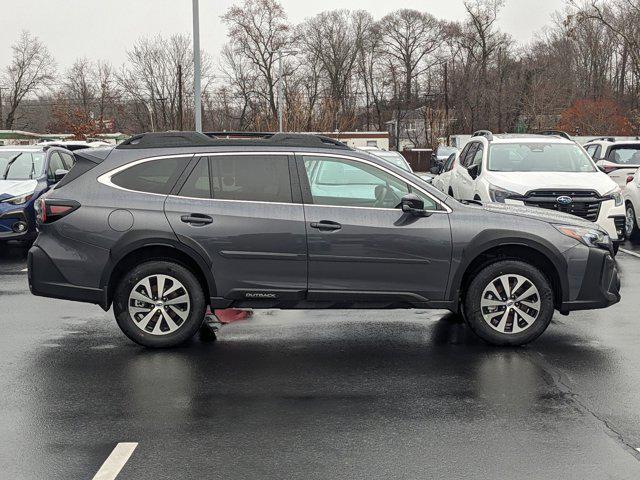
240	209
362	247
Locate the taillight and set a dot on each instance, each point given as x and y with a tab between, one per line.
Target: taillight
50	210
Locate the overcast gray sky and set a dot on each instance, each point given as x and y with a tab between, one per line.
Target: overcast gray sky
105	29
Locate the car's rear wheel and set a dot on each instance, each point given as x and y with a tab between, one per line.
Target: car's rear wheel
631	227
509	303
159	304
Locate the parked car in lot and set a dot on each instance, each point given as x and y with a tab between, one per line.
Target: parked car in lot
394	158
442	180
618	159
631	194
542	171
163	225
25	174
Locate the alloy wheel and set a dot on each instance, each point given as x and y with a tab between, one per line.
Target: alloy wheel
631	221
159	304
510	303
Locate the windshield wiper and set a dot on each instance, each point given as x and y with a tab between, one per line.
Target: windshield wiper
9	163
474	202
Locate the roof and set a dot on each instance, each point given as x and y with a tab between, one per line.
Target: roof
520	137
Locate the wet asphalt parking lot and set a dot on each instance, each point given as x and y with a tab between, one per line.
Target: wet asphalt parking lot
318	395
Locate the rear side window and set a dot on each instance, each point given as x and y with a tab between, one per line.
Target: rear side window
154	176
198	184
260	178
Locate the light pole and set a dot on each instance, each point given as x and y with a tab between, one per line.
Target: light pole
281	84
196	67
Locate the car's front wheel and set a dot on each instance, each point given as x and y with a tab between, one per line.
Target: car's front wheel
159	304
509	302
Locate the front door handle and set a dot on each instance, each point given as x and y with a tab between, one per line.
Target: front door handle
197	219
326	226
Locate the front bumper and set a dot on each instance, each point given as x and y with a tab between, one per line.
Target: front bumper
9	218
600	284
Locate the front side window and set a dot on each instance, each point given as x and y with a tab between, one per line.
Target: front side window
16	165
539	157
471	154
55	164
68	160
154	176
625	155
349	183
258	178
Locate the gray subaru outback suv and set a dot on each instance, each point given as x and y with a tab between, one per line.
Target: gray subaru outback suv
164	225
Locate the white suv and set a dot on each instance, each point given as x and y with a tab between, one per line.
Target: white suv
543	171
617	158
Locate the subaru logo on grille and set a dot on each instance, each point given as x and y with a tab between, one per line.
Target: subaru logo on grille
564	200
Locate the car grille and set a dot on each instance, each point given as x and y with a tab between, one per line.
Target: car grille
585	204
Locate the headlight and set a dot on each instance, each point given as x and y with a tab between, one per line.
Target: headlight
499	195
20	199
616	195
590	237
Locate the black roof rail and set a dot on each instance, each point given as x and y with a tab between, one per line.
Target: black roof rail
606	139
229	139
554	133
484	133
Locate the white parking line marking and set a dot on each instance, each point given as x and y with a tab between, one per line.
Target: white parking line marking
24	270
114	462
629	252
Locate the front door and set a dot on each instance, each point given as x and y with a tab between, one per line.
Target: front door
362	247
240	209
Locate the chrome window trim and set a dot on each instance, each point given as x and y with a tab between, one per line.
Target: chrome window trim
105	178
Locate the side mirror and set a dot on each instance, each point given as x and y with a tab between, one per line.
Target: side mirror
413	204
473	171
435	170
59	175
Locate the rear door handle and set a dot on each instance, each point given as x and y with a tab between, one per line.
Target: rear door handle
326	225
197	219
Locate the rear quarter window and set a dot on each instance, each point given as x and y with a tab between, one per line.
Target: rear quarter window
152	176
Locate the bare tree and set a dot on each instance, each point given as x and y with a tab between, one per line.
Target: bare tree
32	69
410	37
258	30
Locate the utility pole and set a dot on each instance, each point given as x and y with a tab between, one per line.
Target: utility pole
446	101
179	97
196	67
280	90
1	112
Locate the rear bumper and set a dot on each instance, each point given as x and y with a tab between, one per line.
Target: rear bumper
45	280
600	285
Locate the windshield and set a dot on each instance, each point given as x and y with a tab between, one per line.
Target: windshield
16	165
539	157
393	158
625	155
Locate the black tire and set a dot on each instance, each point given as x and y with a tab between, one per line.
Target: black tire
473	297
635	231
189	326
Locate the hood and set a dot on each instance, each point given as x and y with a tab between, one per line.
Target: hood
549	216
13	188
523	182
